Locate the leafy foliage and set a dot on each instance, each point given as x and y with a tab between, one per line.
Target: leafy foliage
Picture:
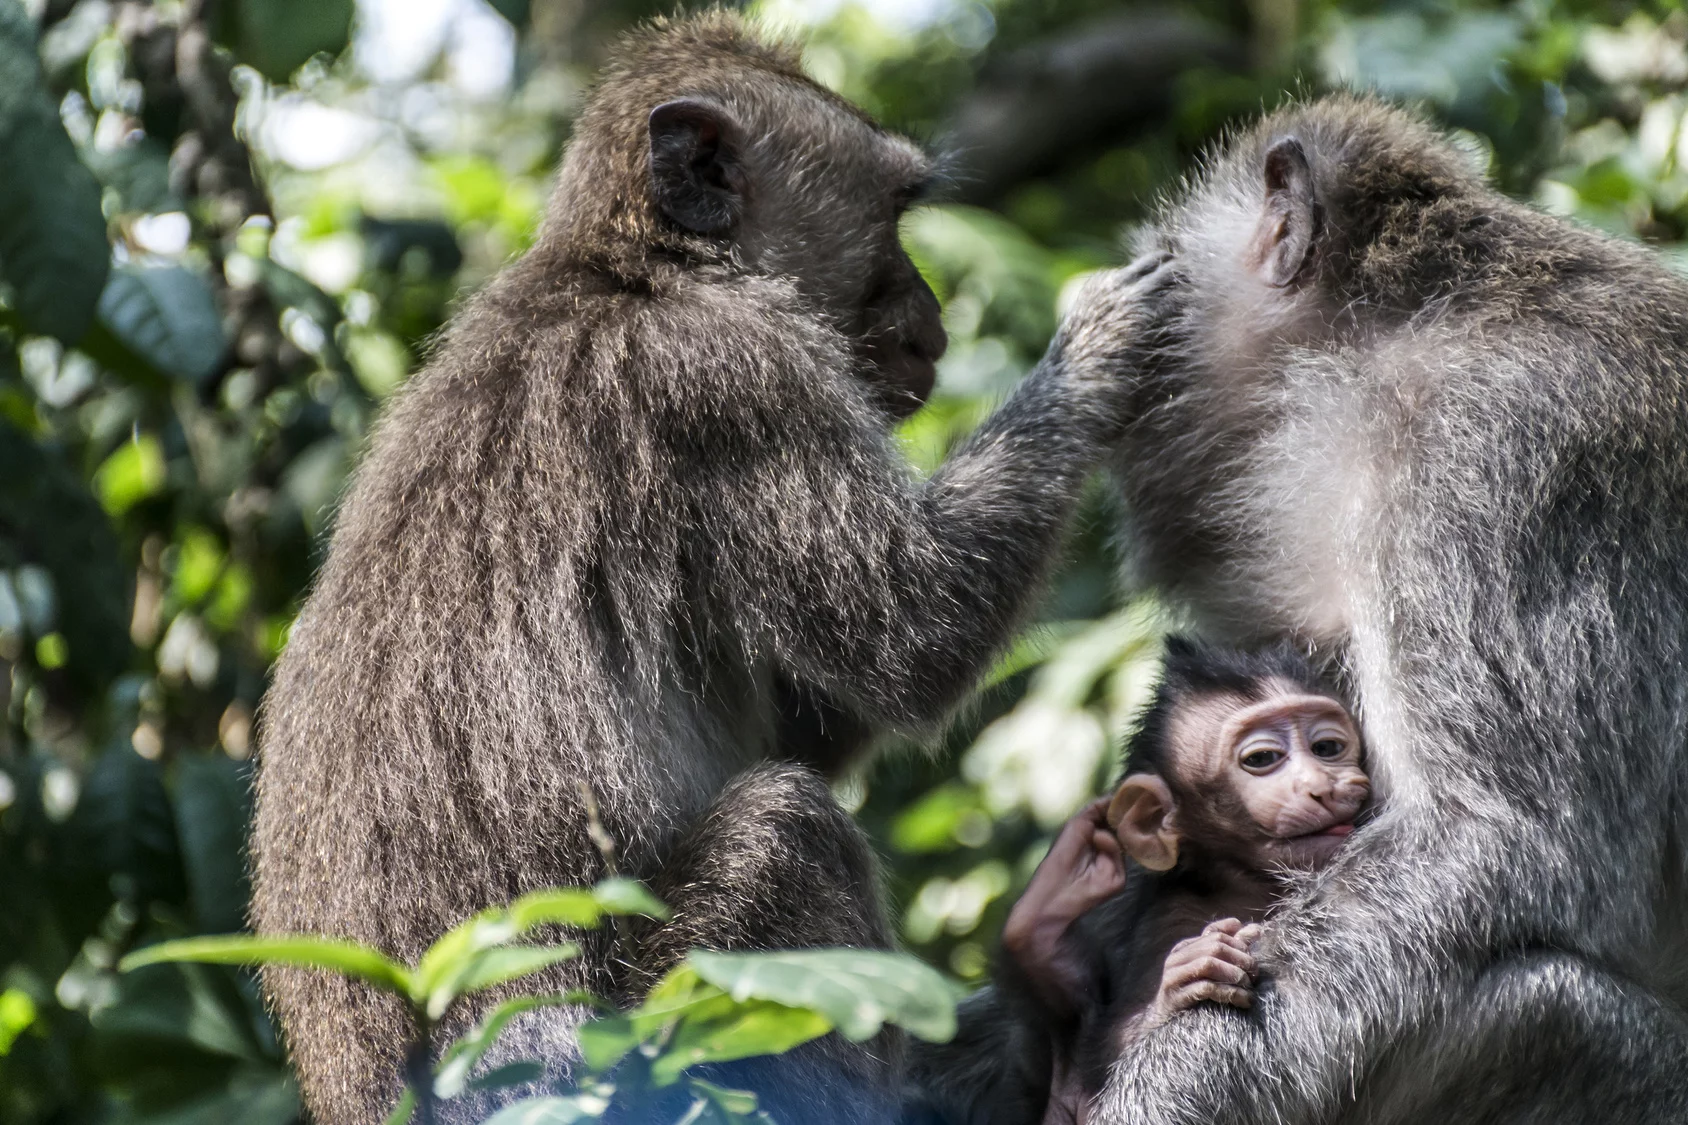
715	1008
228	229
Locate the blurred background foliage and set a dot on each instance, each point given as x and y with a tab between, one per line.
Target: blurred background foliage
228	229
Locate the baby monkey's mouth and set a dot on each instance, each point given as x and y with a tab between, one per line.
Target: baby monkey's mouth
1334	831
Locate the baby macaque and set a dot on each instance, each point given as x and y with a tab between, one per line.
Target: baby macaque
1245	768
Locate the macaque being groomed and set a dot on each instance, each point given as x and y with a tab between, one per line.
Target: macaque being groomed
1245	770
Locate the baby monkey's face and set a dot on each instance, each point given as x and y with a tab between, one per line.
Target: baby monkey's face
1291	761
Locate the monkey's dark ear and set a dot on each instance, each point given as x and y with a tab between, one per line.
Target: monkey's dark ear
1289	218
696	176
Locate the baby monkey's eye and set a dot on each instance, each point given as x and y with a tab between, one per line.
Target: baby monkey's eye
1328	748
1261	759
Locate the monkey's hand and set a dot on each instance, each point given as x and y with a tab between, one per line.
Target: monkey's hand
1214	965
1113	316
1083	869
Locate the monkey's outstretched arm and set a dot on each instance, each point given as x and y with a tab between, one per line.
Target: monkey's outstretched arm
887	593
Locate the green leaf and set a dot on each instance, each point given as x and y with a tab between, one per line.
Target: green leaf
747	1029
123	823
134	471
629	896
452	962
858	990
489	968
277	37
936	821
1032	648
346	957
167	317
605	1042
737	1102
551	1110
564	906
575	906
17	1012
404	1109
53	250
730	1107
452	1075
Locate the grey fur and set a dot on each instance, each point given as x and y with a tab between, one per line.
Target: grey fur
1453	456
639	527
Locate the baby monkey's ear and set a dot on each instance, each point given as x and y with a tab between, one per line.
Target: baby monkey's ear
1141	816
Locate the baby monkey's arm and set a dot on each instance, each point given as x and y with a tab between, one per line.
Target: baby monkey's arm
1083	869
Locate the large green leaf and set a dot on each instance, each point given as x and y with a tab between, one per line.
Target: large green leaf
166	316
858	990
489	968
123	825
53	250
345	957
458	962
276	37
746	1029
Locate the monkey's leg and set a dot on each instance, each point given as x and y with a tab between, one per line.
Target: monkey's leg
775	863
1538	1039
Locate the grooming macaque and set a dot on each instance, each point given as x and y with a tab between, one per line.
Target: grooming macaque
1441	440
638	537
1244	770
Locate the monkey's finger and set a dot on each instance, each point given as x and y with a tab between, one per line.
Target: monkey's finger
1230	949
1206	968
1251	933
1223	926
1206	990
1196	950
1234	941
1231	955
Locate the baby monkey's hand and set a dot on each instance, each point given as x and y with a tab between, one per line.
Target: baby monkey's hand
1214	965
1083	869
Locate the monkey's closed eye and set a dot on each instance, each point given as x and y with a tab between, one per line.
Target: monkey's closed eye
1328	748
1262	759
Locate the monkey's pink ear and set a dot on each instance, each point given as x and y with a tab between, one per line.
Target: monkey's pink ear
696	177
1141	816
1289	217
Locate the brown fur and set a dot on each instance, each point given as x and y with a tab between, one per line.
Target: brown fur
638	527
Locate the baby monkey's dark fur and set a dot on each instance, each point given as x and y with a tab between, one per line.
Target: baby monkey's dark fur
638	530
999	1070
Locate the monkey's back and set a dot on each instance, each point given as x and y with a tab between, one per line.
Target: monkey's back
504	618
